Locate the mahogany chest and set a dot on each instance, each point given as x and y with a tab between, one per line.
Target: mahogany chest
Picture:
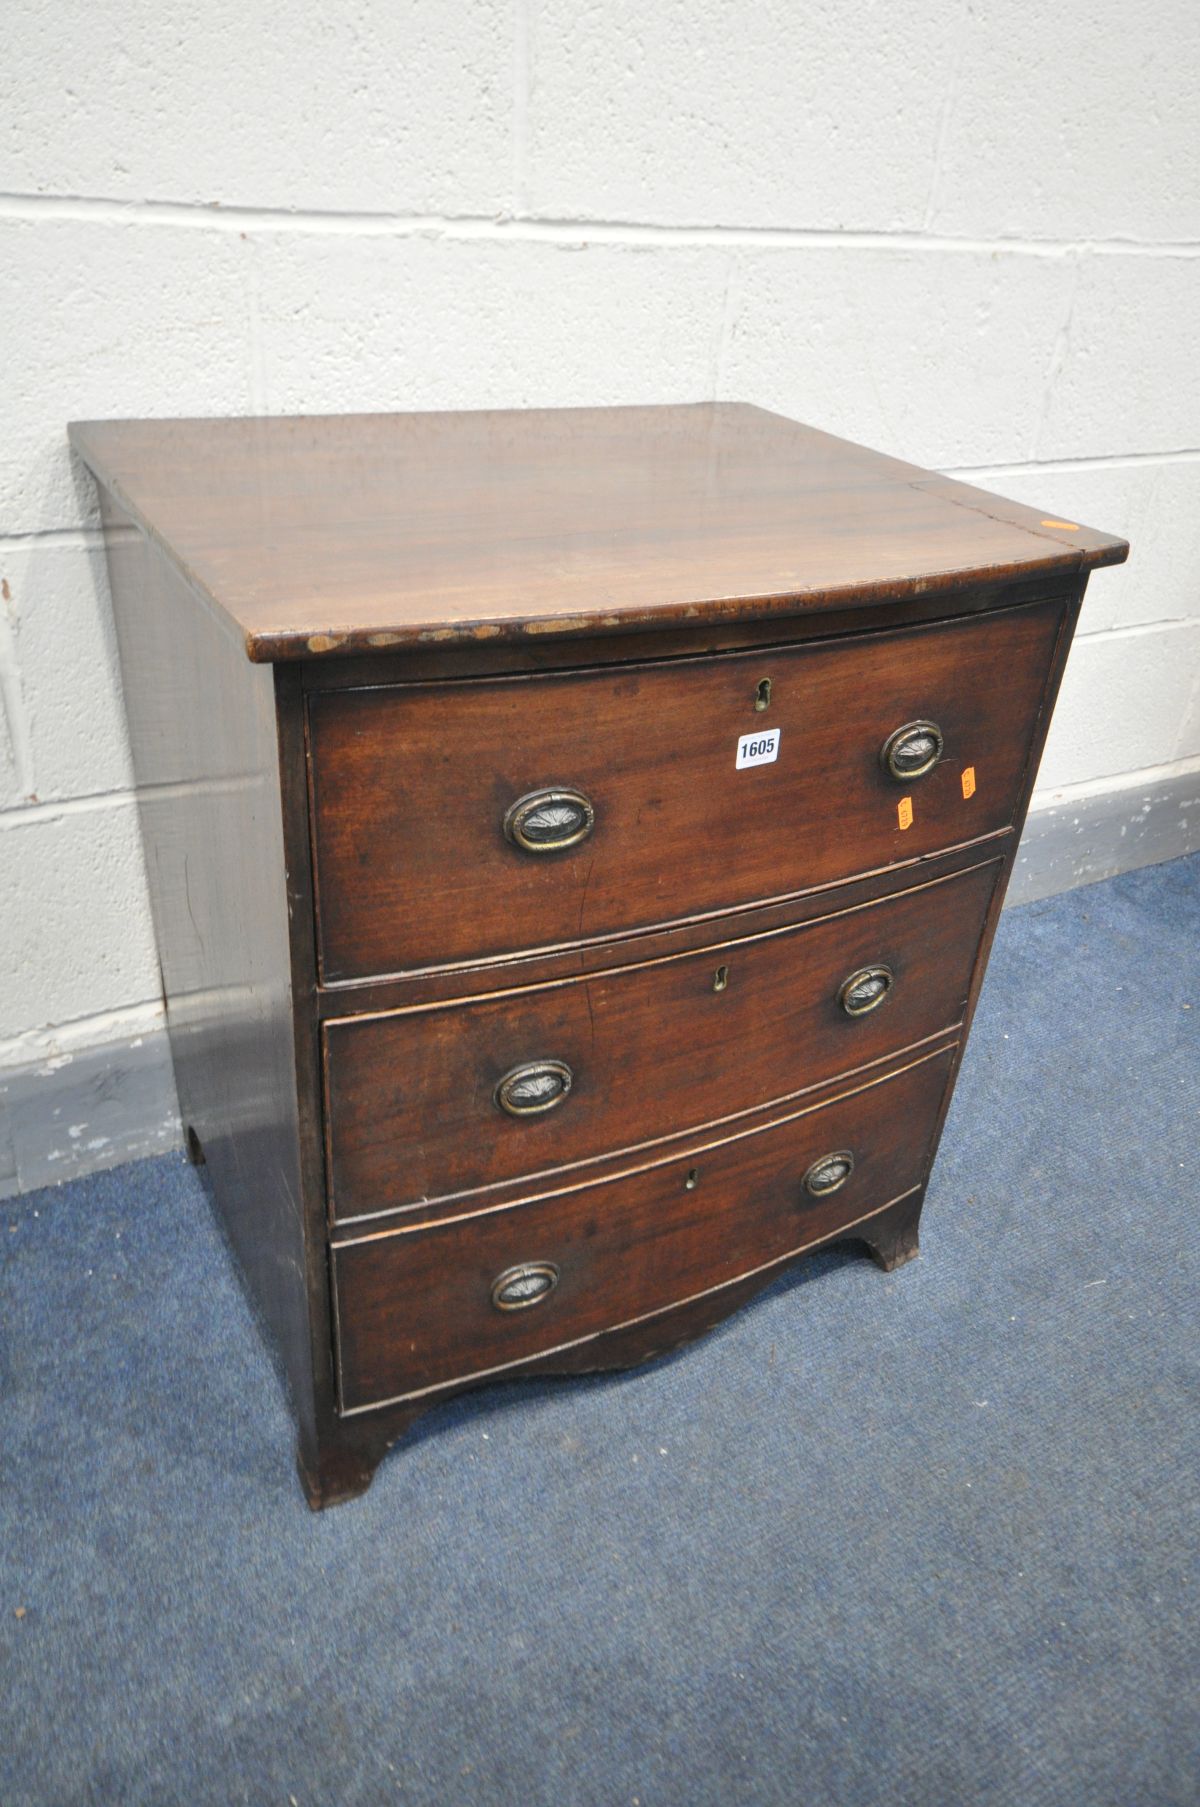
574	841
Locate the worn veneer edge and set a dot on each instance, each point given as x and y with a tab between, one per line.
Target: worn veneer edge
491	660
297	643
592	1336
302	643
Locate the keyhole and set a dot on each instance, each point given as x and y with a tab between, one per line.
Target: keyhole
720	978
762	698
692	1180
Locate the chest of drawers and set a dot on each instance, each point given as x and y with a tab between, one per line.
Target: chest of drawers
574	841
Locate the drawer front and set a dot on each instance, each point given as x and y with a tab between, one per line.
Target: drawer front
425	1104
421	1307
429	850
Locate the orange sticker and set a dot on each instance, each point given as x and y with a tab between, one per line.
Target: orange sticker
968	781
904	812
1069	526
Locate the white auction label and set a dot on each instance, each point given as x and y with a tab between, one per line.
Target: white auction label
758	749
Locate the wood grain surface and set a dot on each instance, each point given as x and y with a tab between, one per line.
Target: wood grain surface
411	787
654	1050
414	1307
341	533
204	731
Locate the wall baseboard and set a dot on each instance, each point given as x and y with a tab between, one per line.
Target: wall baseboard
71	1114
98	1107
1080	841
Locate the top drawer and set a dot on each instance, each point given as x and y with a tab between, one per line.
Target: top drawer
422	860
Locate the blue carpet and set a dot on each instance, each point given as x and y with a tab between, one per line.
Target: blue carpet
924	1538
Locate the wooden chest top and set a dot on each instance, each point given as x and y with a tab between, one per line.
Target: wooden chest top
351	533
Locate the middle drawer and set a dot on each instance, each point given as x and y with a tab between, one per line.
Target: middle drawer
431	1103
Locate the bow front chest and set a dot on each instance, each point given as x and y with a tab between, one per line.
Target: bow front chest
574	841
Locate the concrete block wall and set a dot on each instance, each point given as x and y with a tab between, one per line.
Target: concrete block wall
966	234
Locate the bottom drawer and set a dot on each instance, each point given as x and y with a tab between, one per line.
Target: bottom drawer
422	1308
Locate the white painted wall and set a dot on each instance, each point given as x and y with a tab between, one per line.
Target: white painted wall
964	231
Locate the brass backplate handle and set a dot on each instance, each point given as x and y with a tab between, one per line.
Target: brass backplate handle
536	1086
549	821
517	1288
912	751
829	1174
866	989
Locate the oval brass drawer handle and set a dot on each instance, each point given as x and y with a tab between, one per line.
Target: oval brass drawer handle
866	990
829	1174
912	751
534	1087
517	1288
549	821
